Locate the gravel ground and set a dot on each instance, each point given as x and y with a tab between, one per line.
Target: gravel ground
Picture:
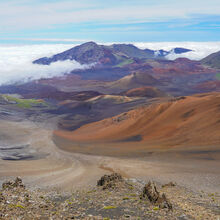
119	200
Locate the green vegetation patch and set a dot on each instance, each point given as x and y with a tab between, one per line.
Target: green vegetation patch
125	62
25	103
218	76
110	207
156	208
20	206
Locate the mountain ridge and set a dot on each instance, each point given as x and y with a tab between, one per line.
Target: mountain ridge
115	54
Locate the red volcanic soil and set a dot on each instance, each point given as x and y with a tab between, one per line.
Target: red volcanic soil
209	86
186	121
134	80
180	66
66	81
147	91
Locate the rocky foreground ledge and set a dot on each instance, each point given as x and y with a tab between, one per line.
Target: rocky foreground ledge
113	198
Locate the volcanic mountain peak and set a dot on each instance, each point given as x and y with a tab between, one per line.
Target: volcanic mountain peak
90	43
116	54
180	50
86	53
134	80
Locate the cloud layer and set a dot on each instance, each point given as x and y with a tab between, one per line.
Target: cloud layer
16	63
200	49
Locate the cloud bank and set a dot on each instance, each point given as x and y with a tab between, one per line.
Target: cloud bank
200	49
16	63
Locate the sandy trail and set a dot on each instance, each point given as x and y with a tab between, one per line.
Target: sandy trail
192	174
67	170
54	168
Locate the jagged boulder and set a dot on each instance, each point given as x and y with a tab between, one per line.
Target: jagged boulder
17	183
153	195
110	181
150	192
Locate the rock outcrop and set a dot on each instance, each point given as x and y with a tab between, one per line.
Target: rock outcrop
153	195
17	183
110	181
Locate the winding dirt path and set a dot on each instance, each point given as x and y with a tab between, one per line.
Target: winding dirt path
64	170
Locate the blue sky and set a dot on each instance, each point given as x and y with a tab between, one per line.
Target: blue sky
56	21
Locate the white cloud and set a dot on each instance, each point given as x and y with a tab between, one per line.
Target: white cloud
20	14
200	49
16	63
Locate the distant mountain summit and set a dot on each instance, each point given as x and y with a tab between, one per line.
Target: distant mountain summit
114	55
180	50
130	50
85	54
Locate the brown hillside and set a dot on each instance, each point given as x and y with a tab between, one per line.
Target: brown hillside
187	121
147	91
134	80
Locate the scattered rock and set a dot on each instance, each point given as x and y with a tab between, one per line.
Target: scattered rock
150	192
110	181
20	203
2	198
17	183
170	184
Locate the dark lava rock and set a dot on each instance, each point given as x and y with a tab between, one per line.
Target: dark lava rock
17	183
150	192
110	181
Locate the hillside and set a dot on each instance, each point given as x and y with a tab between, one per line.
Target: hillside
78	113
134	80
185	121
147	91
213	60
85	54
131	51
